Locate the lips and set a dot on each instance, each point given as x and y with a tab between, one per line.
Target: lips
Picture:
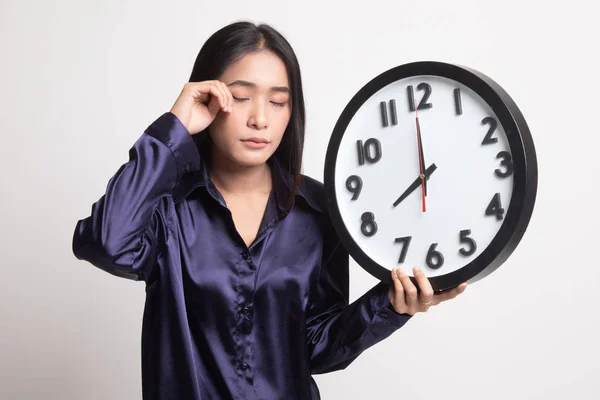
256	140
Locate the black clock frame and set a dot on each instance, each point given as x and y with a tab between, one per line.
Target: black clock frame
523	155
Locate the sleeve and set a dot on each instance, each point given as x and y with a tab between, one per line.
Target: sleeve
122	234
339	332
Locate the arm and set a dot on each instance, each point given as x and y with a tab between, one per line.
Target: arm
125	229
339	332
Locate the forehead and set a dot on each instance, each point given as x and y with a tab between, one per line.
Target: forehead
263	68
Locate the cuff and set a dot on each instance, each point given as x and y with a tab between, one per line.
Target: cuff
384	309
169	130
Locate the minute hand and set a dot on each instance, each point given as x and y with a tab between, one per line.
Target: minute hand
421	157
415	184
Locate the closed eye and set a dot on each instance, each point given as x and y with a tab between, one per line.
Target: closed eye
241	99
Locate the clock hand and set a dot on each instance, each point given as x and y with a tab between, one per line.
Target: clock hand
415	184
422	173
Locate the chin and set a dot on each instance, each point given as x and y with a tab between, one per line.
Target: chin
252	158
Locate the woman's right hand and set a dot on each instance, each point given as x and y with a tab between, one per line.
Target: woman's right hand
199	103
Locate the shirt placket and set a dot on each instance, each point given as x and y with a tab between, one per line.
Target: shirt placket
247	275
245	310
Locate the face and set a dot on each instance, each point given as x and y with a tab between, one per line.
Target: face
252	131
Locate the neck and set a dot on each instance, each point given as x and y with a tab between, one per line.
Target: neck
237	179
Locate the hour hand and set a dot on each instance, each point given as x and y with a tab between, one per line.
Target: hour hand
415	184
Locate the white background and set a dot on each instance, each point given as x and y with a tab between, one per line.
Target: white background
81	80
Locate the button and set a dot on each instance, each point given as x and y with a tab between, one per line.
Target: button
244	366
246	310
248	257
187	167
384	315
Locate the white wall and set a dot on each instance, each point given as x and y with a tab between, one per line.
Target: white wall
80	80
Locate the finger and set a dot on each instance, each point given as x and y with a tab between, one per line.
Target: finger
398	290
228	96
223	100
201	91
450	294
210	94
410	289
426	295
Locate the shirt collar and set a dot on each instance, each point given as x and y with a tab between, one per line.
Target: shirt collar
308	191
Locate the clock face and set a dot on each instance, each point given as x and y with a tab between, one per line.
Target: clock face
422	174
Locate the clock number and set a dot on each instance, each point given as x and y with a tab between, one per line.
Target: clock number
423	104
405	243
368	226
384	113
354	186
369	152
457	101
488	139
506	162
434	259
495	207
464	238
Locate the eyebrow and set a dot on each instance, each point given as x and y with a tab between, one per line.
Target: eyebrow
283	89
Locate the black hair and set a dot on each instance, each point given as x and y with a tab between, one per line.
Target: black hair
232	42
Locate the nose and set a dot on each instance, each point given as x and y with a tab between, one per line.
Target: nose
258	116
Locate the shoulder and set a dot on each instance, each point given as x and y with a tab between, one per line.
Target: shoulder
312	192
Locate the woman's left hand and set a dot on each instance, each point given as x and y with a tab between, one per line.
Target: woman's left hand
405	298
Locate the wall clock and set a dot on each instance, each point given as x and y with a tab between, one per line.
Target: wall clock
432	165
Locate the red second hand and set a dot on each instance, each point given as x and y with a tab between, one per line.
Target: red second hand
422	173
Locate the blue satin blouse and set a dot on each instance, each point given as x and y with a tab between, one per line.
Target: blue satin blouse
223	320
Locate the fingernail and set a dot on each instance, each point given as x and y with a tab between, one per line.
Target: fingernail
416	269
399	271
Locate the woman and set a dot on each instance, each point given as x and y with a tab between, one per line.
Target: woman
246	281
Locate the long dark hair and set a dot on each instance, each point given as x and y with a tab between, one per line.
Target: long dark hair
232	42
